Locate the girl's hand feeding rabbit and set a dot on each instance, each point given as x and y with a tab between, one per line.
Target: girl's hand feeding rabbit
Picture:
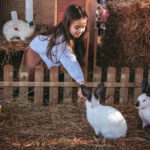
105	120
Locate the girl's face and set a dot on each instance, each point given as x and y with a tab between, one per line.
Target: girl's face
77	27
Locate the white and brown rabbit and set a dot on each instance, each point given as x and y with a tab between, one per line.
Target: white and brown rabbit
106	120
143	104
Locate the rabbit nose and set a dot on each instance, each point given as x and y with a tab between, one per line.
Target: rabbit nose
137	104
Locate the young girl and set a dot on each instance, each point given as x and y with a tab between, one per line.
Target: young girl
61	45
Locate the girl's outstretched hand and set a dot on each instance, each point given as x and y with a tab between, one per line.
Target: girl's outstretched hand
80	94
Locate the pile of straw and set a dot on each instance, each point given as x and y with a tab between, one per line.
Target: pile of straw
24	126
127	37
10	50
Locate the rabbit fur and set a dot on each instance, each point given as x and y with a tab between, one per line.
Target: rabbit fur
105	120
24	30
143	104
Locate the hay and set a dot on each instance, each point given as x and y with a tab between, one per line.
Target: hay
8	50
24	126
127	38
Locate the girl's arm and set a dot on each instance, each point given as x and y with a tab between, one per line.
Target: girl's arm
70	63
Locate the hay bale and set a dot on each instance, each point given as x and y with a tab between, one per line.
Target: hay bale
127	37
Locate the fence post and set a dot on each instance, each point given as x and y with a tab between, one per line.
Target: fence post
138	79
124	91
111	77
149	75
38	91
95	45
85	69
53	96
8	76
67	97
97	74
23	76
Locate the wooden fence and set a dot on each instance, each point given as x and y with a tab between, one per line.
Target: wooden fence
123	85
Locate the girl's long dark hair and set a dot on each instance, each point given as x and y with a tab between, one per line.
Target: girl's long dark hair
73	12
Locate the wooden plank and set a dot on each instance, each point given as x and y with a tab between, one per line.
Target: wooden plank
44	12
66	84
23	76
53	90
8	76
111	77
138	79
95	45
97	75
38	91
85	69
55	12
124	91
91	12
67	97
149	75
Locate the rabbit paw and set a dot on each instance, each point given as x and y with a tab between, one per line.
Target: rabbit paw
145	124
147	127
96	132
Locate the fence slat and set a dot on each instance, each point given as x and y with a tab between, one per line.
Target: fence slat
23	76
8	76
67	97
95	45
111	77
138	79
149	75
97	75
38	91
53	90
85	69
124	91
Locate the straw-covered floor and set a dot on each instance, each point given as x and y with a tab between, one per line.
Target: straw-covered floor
127	35
62	127
24	126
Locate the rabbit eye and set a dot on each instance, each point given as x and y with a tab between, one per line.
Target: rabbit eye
144	100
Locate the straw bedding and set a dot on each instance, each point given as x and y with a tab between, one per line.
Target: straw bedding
24	126
126	42
127	37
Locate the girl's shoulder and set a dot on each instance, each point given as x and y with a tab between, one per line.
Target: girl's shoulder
46	39
39	43
40	38
60	39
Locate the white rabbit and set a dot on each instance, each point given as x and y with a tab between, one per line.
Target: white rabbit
143	104
106	120
24	30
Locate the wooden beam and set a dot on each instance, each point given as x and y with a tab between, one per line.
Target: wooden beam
55	13
65	84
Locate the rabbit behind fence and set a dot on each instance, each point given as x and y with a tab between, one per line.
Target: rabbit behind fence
106	120
143	104
23	31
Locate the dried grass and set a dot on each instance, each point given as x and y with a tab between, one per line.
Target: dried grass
24	126
10	49
127	36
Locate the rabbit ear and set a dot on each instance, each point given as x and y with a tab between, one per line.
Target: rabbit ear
144	85
86	92
148	90
98	90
